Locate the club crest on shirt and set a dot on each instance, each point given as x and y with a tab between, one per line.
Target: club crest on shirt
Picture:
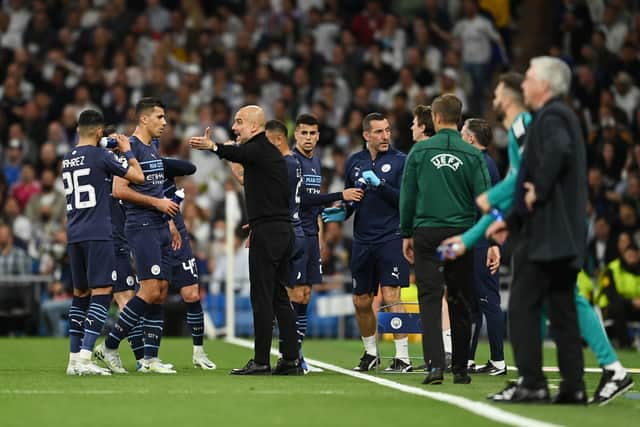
385	168
446	160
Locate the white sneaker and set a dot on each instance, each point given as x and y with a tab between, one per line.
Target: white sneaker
72	368
155	365
111	358
89	367
200	360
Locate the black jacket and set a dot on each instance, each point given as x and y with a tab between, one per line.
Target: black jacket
265	178
554	160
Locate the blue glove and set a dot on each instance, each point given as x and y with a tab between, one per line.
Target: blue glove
371	178
334	214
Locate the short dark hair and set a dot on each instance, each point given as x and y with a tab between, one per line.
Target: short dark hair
449	107
307	119
513	82
148	103
276	126
89	121
371	117
422	113
481	129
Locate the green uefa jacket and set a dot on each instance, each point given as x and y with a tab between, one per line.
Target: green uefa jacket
442	176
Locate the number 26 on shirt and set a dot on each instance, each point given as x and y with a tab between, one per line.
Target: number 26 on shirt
84	196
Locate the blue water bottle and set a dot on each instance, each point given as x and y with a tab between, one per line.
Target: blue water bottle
361	184
178	197
449	249
108	142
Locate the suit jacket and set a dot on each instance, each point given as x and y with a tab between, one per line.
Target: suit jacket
554	160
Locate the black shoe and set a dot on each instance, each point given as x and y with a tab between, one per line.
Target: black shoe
461	378
491	369
609	389
435	376
367	362
288	367
570	397
447	362
471	368
516	393
400	366
252	368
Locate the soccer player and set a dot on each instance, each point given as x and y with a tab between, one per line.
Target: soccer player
486	258
149	237
509	105
307	269
86	173
376	259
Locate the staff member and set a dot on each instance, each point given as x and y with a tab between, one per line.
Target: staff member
549	214
441	179
272	238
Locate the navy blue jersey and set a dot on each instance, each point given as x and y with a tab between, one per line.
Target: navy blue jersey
296	185
377	214
152	167
494	174
86	173
311	181
118	218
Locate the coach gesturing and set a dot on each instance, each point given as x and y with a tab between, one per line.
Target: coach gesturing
442	177
267	195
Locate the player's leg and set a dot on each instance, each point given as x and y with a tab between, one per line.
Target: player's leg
364	287
393	274
615	380
195	319
488	299
446	332
79	304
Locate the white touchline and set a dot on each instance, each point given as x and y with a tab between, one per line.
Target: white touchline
479	408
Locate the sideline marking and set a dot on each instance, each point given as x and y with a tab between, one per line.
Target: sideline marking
479	408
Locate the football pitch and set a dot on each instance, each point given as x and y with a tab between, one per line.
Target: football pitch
34	391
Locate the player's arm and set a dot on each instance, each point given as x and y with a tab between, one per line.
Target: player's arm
347	195
243	154
177	167
128	166
176	238
407	204
122	191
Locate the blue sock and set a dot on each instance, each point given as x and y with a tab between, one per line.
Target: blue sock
153	322
301	322
136	341
94	322
195	320
129	317
77	313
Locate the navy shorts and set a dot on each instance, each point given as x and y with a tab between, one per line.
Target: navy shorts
93	264
126	279
184	271
298	263
151	247
378	264
309	265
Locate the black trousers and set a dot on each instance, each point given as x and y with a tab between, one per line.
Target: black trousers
269	253
536	283
431	276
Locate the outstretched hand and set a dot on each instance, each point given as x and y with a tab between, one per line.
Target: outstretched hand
203	142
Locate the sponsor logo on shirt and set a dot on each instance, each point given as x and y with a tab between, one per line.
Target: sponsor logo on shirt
386	168
446	160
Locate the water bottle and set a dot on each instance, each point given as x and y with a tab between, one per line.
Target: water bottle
361	184
449	249
497	214
110	143
178	197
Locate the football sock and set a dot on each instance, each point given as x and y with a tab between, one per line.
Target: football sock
402	349
195	320
446	340
94	322
153	323
370	345
301	322
135	340
77	313
498	364
619	370
128	319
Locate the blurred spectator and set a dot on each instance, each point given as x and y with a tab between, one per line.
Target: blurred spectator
14	261
49	205
27	185
602	249
625	94
620	294
13	162
54	309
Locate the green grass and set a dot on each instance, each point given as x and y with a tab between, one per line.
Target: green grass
35	392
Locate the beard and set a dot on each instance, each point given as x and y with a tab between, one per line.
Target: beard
499	112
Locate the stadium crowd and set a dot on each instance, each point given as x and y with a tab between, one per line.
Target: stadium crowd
338	60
